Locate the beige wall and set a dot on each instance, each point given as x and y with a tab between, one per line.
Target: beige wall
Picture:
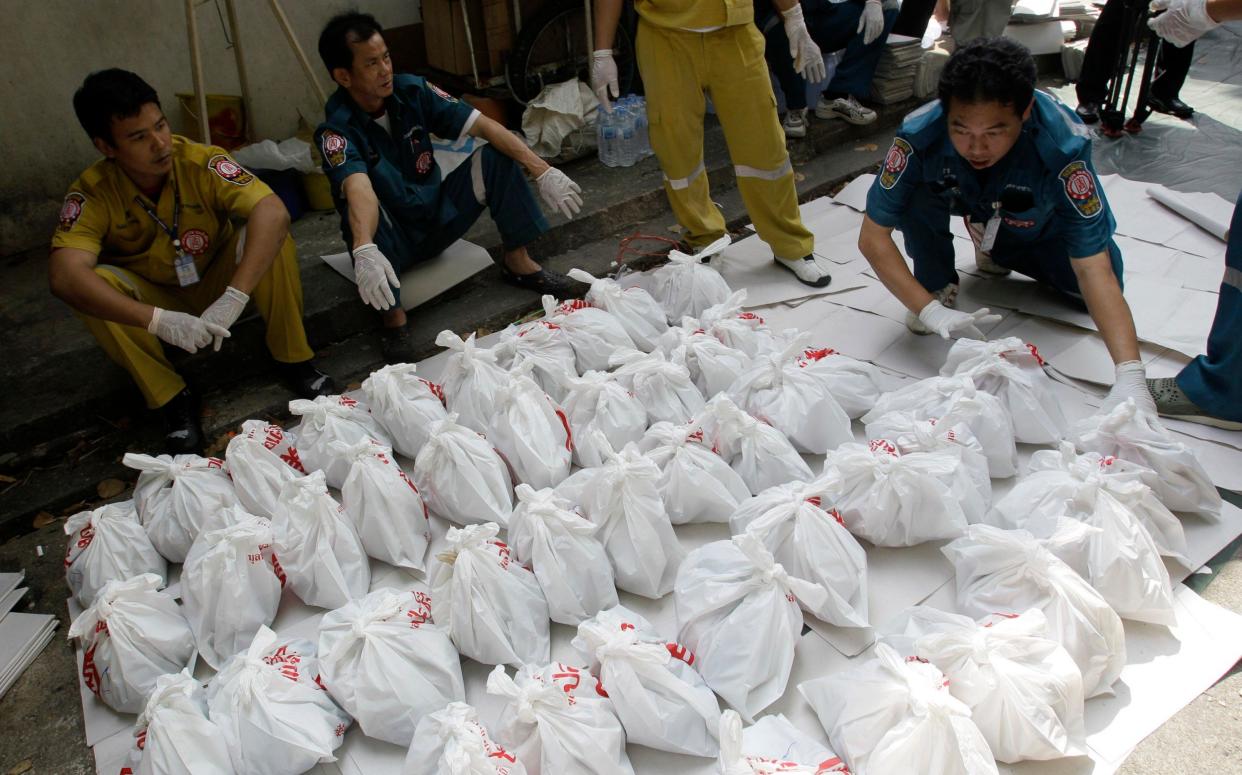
49	46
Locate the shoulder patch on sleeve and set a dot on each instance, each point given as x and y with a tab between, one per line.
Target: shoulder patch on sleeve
441	92
1080	190
895	163
333	145
71	210
229	170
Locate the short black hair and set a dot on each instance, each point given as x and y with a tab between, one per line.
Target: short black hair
989	70
109	94
340	31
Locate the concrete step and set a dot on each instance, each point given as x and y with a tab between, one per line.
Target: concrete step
71	433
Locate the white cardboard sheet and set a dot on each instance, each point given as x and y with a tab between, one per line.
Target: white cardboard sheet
426	280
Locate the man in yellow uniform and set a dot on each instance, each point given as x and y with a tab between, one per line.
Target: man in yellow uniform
147	251
687	50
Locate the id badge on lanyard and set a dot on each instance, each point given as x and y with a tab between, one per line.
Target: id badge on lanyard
187	272
990	231
183	262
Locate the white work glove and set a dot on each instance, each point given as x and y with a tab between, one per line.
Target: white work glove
224	312
932	33
559	192
604	78
954	324
1182	22
375	277
1130	382
806	57
189	332
871	23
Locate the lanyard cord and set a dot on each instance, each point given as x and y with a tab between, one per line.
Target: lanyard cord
174	232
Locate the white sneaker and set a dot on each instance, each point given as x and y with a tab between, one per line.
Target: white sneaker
795	123
946	296
811	270
847	108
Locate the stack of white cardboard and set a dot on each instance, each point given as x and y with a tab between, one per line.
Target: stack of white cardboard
1167	668
894	75
22	636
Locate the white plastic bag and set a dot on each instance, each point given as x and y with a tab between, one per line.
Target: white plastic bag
1180	481
330	419
531	431
592	332
386	508
180	498
853	383
697	485
744	331
712	364
759	453
685	286
950	432
130	636
261	459
452	741
406	405
230	587
741	614
597	402
892	499
783	394
772	746
553	730
936	397
662	701
275	716
811	543
175	734
1008	571
622	497
661	385
561	548
639	313
318	545
462	477
1023	690
493	608
471	376
546	348
1013	371
890	715
107	544
387	664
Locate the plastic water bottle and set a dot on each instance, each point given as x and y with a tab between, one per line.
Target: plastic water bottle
641	130
625	131
607	136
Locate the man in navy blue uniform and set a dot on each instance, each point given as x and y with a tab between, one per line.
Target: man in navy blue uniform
396	209
1016	164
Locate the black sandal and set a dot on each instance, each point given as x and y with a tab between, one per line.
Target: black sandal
546	281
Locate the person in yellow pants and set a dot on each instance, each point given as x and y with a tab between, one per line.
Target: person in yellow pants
690	50
147	252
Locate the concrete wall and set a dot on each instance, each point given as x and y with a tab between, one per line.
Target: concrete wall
51	45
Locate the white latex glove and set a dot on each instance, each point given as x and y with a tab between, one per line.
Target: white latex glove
604	77
954	324
224	311
375	277
932	33
871	23
189	332
559	192
1182	22
807	60
1130	382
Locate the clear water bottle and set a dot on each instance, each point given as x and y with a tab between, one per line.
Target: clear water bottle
641	128
627	145
606	133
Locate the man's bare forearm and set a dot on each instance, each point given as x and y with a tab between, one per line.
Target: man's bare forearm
1224	10
363	208
510	145
1107	306
607	15
876	243
72	278
266	229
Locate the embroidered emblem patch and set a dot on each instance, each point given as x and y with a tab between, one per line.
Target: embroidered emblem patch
895	163
229	170
1080	189
195	241
71	210
1019	223
333	146
423	165
441	92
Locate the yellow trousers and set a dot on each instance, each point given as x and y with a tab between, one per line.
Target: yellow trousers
278	297
679	70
